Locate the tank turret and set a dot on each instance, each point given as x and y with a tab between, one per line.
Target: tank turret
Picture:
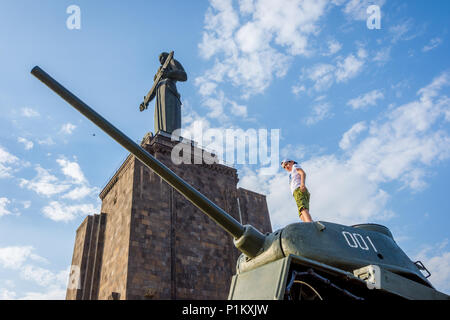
319	260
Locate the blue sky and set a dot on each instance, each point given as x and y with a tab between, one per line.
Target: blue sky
365	112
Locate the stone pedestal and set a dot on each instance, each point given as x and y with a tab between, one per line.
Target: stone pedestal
149	242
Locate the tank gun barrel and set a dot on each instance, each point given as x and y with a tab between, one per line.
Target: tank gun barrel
246	238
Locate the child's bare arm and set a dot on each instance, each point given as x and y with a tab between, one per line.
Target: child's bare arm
303	175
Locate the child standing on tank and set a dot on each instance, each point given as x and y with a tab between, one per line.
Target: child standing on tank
297	178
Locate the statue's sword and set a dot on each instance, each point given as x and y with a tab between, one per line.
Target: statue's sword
150	94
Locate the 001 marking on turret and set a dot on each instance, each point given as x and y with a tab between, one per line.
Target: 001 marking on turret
356	240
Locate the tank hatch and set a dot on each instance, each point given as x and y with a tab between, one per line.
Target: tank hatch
374	227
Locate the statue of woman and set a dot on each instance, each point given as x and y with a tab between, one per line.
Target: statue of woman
168	103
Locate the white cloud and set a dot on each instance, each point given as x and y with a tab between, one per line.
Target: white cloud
49	185
22	259
251	38
189	117
47	141
3	203
27	143
246	6
368	99
401	32
232	144
433	44
349	137
295	152
238	110
205	88
53	293
357	9
330	182
297	89
41	276
61	212
333	47
300	152
75	185
436	259
399	87
290	24
351	66
44	277
397	147
68	128
79	193
44	183
383	55
348	189
252	73
216	105
14	257
324	75
26	204
72	170
29	113
221	20
217	102
341	194
320	111
6	294
6	158
254	43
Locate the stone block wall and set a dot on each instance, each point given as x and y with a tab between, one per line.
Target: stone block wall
254	209
87	259
155	243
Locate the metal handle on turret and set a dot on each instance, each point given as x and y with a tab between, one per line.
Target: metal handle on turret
247	239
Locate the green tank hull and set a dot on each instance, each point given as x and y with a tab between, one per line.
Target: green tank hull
340	262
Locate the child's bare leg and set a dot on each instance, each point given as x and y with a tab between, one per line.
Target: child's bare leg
305	216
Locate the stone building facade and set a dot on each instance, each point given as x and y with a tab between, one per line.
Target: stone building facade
149	242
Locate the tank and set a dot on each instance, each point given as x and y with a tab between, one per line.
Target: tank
302	261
